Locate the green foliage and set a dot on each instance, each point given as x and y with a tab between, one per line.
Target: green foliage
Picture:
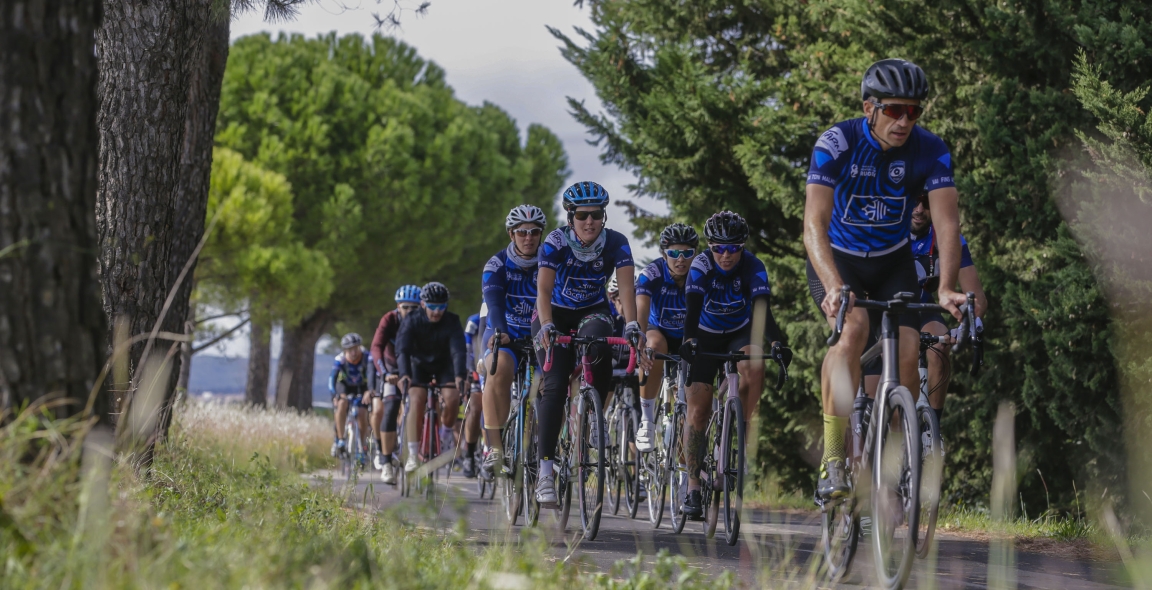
393	178
717	104
253	256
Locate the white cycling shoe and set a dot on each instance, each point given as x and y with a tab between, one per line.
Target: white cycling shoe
389	474
411	464
646	436
546	491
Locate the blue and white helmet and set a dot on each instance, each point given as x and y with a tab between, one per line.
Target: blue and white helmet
585	194
408	294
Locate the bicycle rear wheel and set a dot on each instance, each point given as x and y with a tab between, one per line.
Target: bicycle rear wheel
529	467
931	471
895	488
630	462
677	471
590	461
615	482
655	475
733	477
709	484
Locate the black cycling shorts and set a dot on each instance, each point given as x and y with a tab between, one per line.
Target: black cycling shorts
422	376
674	342
704	369
878	278
352	391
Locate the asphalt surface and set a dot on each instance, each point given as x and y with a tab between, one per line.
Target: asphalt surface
776	549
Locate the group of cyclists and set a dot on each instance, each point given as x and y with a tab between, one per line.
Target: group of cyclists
881	217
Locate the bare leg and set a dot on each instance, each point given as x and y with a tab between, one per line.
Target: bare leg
414	423
377	416
699	398
497	397
341	411
472	417
657	342
451	401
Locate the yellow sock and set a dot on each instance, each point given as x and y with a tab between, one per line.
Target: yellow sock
834	428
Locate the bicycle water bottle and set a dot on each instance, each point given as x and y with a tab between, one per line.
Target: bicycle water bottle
857	422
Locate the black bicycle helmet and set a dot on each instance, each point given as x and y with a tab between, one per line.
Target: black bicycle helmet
894	78
726	227
434	293
679	233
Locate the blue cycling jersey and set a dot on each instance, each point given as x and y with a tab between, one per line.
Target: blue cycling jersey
668	308
352	375
927	258
580	284
510	293
727	295
874	191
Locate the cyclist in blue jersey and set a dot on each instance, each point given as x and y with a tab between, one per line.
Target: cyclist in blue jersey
575	263
863	180
510	295
661	309
723	286
352	376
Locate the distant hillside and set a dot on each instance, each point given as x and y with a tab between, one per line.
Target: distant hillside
221	375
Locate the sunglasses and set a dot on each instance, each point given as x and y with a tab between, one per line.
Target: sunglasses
912	111
727	248
582	215
523	232
689	253
436	306
407	308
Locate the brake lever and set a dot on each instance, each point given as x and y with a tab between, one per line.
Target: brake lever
839	329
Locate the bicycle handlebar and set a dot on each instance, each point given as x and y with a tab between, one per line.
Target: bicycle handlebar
845	293
589	340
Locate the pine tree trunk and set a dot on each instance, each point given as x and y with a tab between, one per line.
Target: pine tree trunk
52	330
154	63
259	361
297	361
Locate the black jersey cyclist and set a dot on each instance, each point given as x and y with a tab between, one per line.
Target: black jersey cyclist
661	309
430	346
575	263
510	296
722	289
386	406
862	183
351	378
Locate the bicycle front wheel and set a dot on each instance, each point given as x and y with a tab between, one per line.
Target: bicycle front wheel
732	448
710	482
590	459
615	481
529	467
630	461
656	476
895	488
677	471
510	482
931	471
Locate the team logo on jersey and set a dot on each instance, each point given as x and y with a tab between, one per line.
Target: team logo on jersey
715	307
896	171
736	284
874	211
868	171
672	318
833	142
855	171
579	290
598	265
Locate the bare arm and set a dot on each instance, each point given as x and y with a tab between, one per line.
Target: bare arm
626	279
944	203
643	307
970	283
817	217
545	280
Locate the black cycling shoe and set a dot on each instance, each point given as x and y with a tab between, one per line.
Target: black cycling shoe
693	505
469	467
833	483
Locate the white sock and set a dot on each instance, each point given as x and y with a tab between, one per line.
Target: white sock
413	449
546	467
648	409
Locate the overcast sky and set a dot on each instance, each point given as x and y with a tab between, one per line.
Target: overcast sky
494	50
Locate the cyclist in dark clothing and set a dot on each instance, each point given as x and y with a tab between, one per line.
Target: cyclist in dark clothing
386	405
430	347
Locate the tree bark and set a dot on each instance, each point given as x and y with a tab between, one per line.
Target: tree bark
161	65
52	329
298	360
259	364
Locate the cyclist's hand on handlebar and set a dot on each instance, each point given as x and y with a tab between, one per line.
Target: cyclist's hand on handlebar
504	340
392	379
544	336
404	382
951	301
831	303
688	350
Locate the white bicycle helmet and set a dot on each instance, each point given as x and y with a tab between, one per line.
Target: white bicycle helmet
522	214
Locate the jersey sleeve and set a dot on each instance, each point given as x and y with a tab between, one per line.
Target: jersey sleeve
756	276
965	254
404	344
940	174
648	283
495	293
698	275
622	252
828	157
337	365
551	253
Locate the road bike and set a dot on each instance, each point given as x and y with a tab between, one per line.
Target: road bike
580	457
516	476
724	465
663	468
354	457
623	418
429	447
885	441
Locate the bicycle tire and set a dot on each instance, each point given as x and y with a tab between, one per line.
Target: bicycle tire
529	466
630	462
895	488
562	469
677	472
709	491
590	462
733	477
614	483
349	452
657	476
512	498
931	472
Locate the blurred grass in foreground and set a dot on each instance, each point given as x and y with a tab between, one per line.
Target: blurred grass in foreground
224	507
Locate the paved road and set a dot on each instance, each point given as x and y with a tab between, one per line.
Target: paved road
778	549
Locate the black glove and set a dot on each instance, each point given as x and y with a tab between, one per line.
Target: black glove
688	350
